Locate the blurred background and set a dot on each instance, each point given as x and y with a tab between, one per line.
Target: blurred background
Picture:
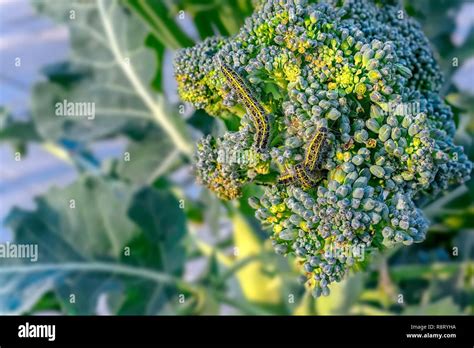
121	226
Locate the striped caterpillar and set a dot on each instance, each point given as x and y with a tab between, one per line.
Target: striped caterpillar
255	110
307	174
314	149
300	175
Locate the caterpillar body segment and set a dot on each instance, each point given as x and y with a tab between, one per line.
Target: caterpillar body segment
301	176
315	149
255	110
262	135
287	178
307	178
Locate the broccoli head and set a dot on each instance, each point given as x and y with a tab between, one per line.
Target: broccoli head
358	134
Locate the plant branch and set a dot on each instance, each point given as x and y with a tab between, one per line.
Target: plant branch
100	267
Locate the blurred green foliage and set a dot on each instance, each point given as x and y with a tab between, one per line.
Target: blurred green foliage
142	239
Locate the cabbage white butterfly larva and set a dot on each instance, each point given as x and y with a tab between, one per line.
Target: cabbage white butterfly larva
300	175
252	105
314	149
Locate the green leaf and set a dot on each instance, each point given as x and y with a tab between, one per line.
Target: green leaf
159	49
202	121
159	216
160	245
17	133
47	303
198	6
91	249
230	17
159	20
273	89
106	120
65	73
148	158
203	25
224	16
109	43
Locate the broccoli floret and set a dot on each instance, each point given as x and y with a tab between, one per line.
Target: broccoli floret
364	72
